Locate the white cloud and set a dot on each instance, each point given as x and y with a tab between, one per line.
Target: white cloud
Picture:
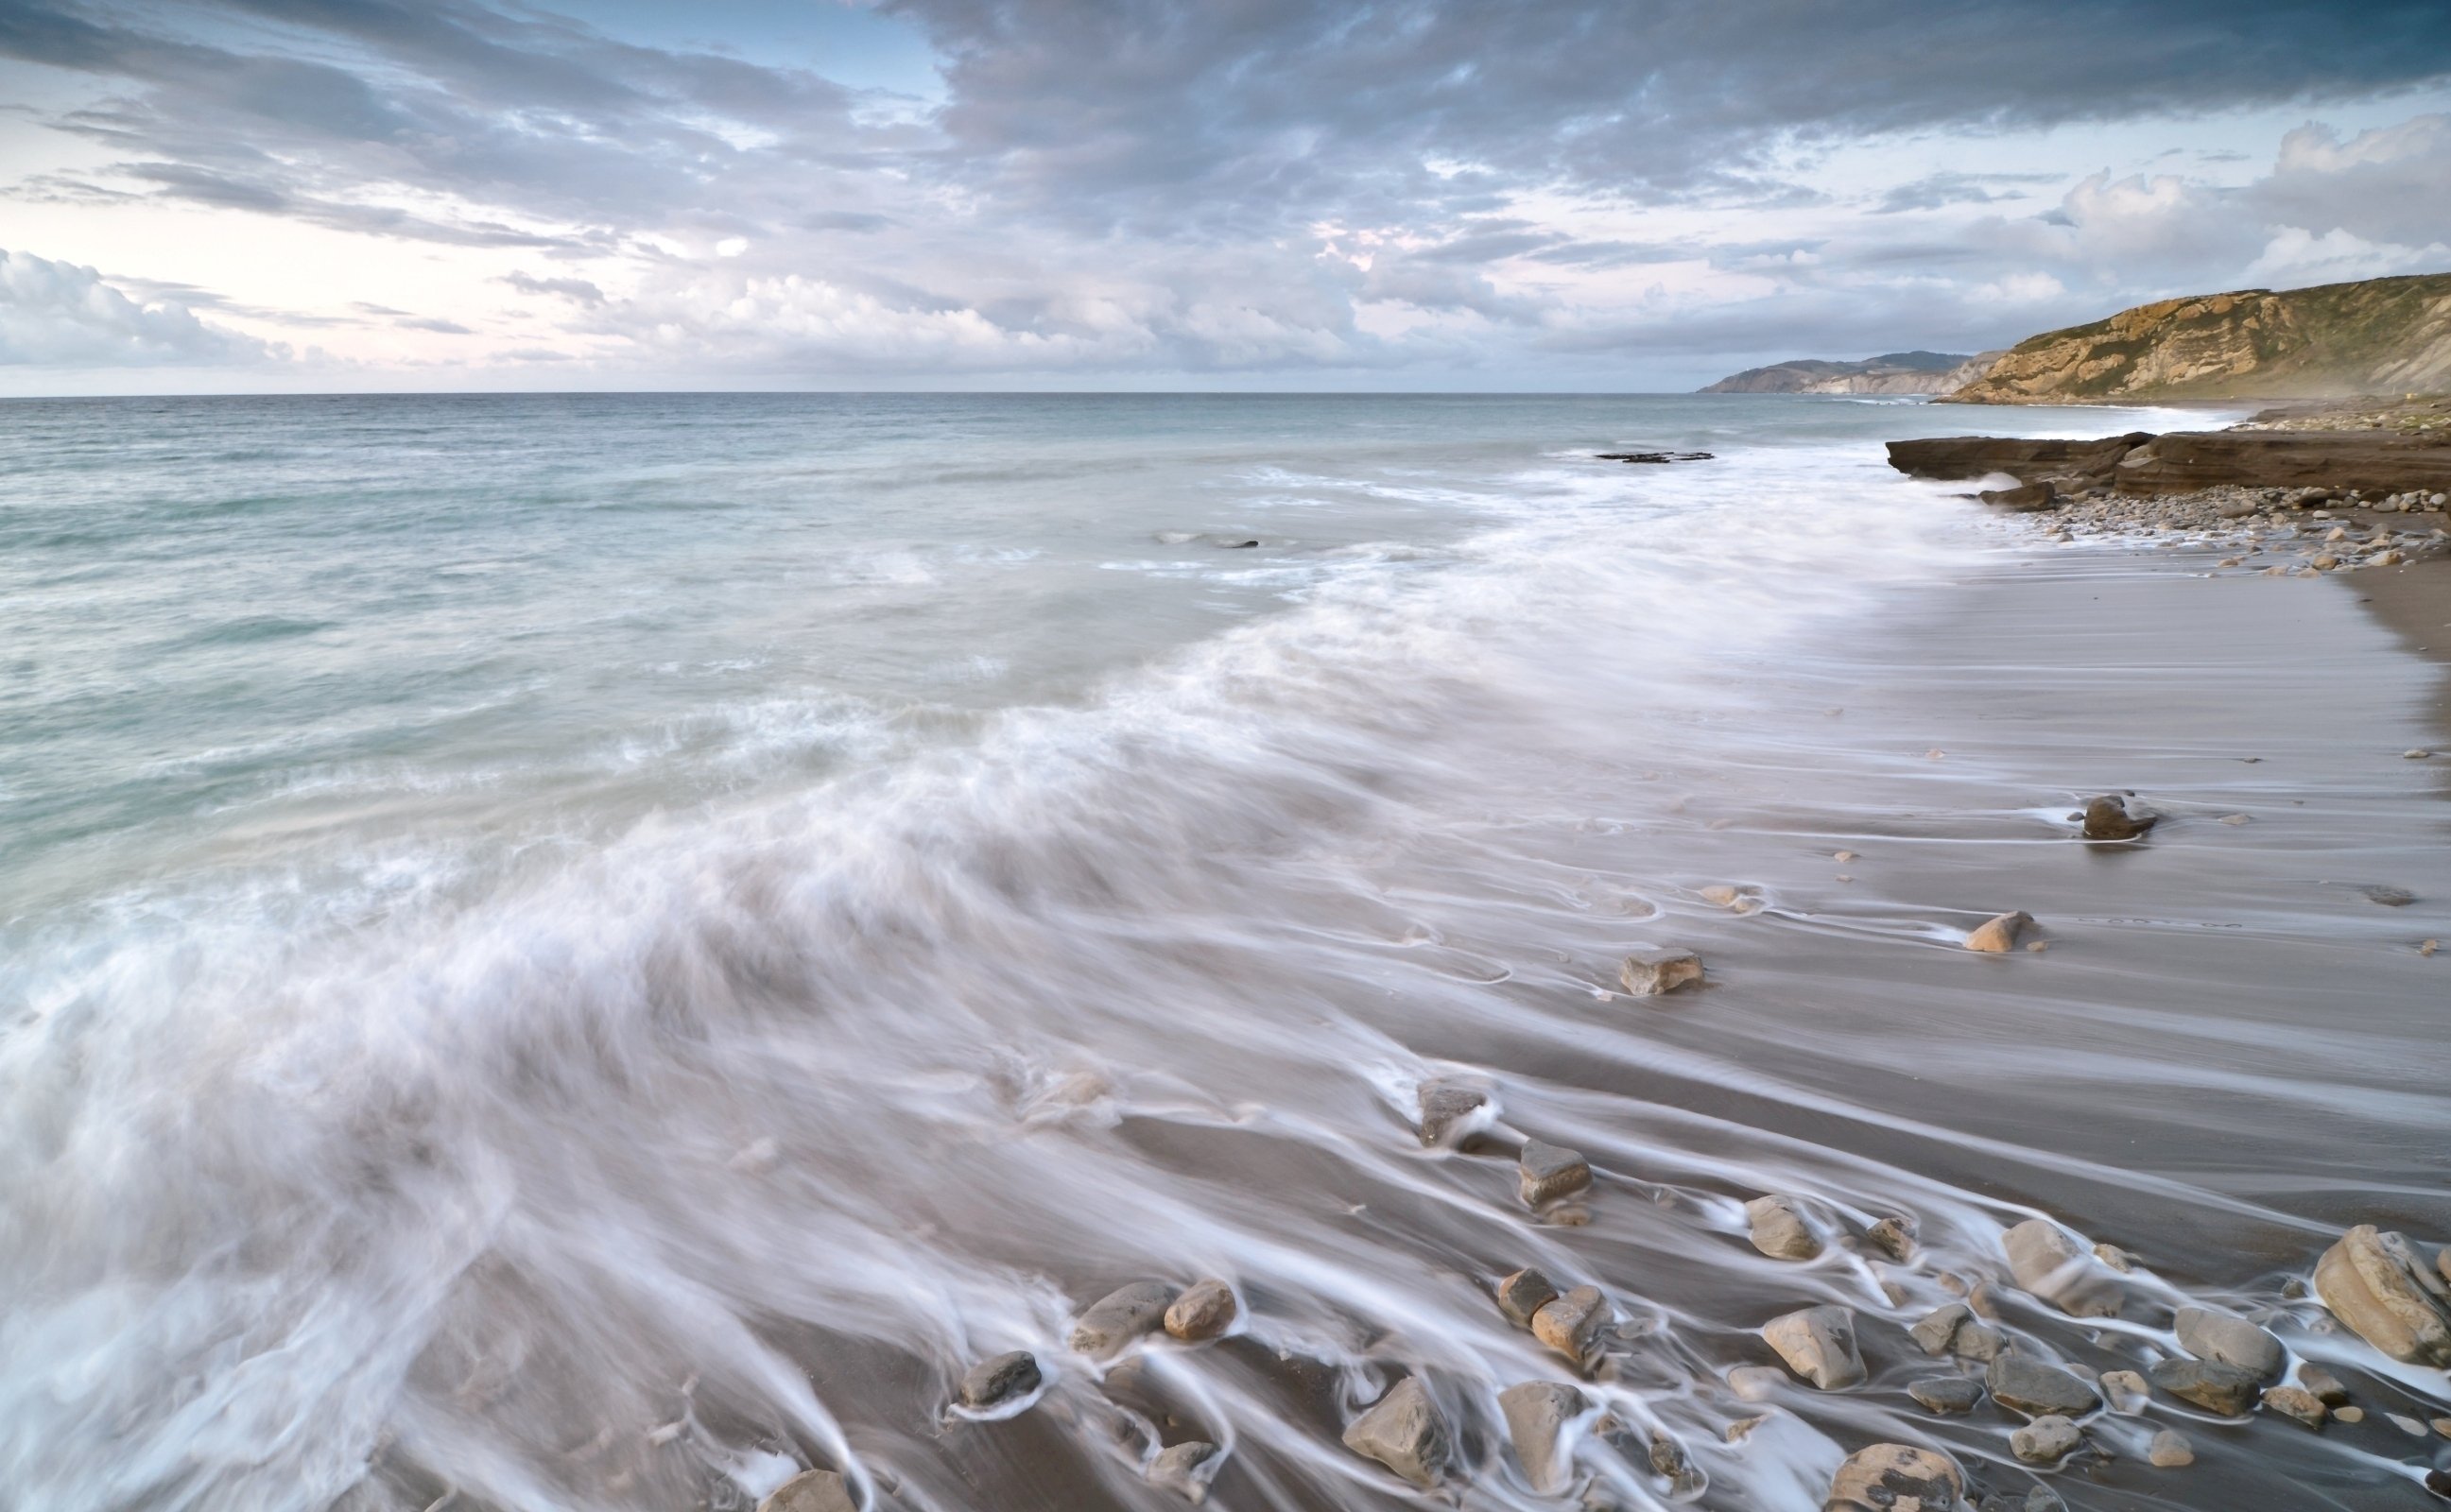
62	315
2300	257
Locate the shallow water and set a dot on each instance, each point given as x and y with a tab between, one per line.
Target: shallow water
587	953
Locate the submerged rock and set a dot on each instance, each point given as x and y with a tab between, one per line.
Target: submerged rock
2295	1402
2373	1282
2050	1263
1003	1378
812	1491
2046	1440
1536	1413
2328	1387
2126	1390
2170	1449
2111	818
1895	1478
2219	1337
1178	1467
1204	1311
1571	1325
1121	1316
1819	1344
2222	1388
1649	973
1448	1109
2038	1389
1893	1236
1404	1432
1545	1172
1998	935
1524	1293
2033	1499
1946	1393
1780	1231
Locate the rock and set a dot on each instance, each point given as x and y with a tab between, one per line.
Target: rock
1403	1432
1523	1293
2406	1424
2109	818
2440	1426
1177	1468
2126	1390
2170	1450
2116	1258
1121	1316
992	1383
2038	1389
1545	1172
1977	1340
1536	1413
1723	894
2038	494
2046	1440
1999	935
1959	458
2326	1387
2052	1265
1946	1393
2439	1481
1759	1382
1204	1311
2033	1499
2222	1388
1819	1344
1895	1478
2388	896
2349	1414
2217	1336
1779	1230
1937	1327
1893	1236
2293	1402
2374	1283
811	1491
1649	973
1450	1108
1572	1323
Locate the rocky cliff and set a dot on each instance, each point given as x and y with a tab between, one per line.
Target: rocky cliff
1897	373
2381	336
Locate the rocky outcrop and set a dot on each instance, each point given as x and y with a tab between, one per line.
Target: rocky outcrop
1896	373
2181	461
2377	335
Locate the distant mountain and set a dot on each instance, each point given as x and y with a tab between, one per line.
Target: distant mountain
1897	372
2380	336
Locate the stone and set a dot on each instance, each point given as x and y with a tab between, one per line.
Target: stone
2025	496
1545	1173
2033	1499
2439	1481
1121	1316
1895	1478
2109	817
1572	1323
2294	1401
1449	1111
2328	1387
2406	1424
1404	1432
1204	1311
992	1383
1177	1468
2045	1441
2373	1282
1649	973
2116	1258
2388	896
812	1491
1537	1414
2349	1414
2440	1426
1819	1344
1997	936
2126	1390
1523	1293
2038	1389
2051	1264
1946	1393
2170	1449
1779	1230
1936	1328
1722	895
1893	1236
2222	1388
2217	1336
1759	1382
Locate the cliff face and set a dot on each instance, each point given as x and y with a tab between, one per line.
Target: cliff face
2375	337
1897	373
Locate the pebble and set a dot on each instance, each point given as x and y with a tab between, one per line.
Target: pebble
1780	1231
2222	1388
2328	1387
1995	935
1449	1108
1404	1432
1177	1468
2351	1414
1536	1413
1545	1173
2116	1258
1946	1393
2045	1439
1935	1328
1650	973
1204	1311
811	1491
2439	1481
1571	1325
2429	947
2441	1425
2389	897
2109	817
1895	1478
1819	1344
2128	1391
2170	1450
2294	1401
1523	1293
2414	755
1893	1236
2217	1336
1121	1316
2038	1389
996	1381
2050	1263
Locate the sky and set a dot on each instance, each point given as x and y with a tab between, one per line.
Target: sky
253	196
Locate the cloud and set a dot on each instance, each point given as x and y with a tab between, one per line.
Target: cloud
61	315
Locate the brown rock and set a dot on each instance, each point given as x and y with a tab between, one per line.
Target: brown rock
2328	1387
1524	1293
1779	1229
2222	1388
1819	1344
2296	1402
2109	818
1545	1173
1649	973
1536	1413
2374	1283
1895	1478
1406	1432
1572	1323
2169	1451
1999	935
1121	1316
2051	1264
1204	1311
1448	1109
1178	1468
1893	1236
811	1491
1003	1378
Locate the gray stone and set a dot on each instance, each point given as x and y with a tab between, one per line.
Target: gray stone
1205	1309
2374	1283
1121	1316
1524	1293
1946	1393
1177	1468
2294	1401
1937	1327
1649	973
1450	1110
2050	1263
1545	1173
2033	1499
1536	1413
994	1382
2222	1388
2046	1440
1819	1344
2328	1388
2038	1389
1895	1478
812	1491
1779	1229
1571	1325
2170	1449
1977	1340
2025	497
2127	1391
1404	1432
2224	1340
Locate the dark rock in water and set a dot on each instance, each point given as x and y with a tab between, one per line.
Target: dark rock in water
2222	1388
812	1491
1669	1461
1654	456
1536	1413
1547	1171
994	1382
1523	1294
1404	1432
1121	1316
1177	1467
1895	1478
2388	897
1237	546
1204	1311
1946	1393
2109	818
1446	1107
1959	458
2025	497
2224	1340
2038	1389
2439	1481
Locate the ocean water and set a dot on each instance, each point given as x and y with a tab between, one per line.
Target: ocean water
592	951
